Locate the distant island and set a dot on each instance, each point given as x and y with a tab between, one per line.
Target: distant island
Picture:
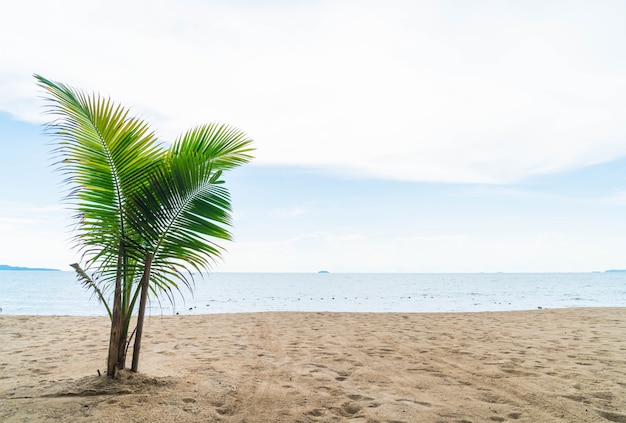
7	267
323	271
615	271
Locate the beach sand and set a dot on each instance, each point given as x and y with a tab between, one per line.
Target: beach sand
564	365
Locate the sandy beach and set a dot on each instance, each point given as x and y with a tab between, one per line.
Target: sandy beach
564	365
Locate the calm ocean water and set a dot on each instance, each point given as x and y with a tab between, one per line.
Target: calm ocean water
58	293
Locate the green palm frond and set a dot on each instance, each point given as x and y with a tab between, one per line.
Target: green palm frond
106	154
185	208
89	283
225	146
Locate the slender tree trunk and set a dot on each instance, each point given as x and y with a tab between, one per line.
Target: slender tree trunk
121	352
142	310
116	321
116	330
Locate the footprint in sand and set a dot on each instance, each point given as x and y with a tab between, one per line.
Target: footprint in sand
342	376
612	416
420	403
316	412
350	408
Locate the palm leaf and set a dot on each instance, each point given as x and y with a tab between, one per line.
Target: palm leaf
225	146
106	155
89	283
184	208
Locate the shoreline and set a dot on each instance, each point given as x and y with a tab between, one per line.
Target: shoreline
236	313
538	365
228	313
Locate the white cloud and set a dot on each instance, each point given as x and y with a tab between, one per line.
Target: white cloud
292	212
529	252
488	92
618	198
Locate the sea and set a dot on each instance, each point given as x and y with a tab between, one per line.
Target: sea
59	293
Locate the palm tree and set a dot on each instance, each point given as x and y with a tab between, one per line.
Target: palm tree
147	216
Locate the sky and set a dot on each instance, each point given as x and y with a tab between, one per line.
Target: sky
390	136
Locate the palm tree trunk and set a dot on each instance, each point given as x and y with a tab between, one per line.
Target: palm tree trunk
116	329
121	352
142	310
116	321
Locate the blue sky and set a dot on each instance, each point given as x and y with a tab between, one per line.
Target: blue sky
391	136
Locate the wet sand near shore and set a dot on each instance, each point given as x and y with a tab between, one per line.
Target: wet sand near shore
565	365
